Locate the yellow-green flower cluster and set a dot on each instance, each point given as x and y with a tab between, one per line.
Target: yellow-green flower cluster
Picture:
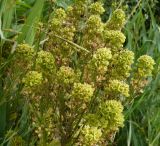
92	38
80	8
82	92
114	39
116	88
61	27
45	61
117	20
94	24
145	65
66	76
100	60
121	64
60	14
96	8
25	52
32	79
58	18
90	135
110	115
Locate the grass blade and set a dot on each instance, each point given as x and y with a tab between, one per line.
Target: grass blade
29	30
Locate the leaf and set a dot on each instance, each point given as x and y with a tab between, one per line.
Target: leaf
29	29
64	3
7	8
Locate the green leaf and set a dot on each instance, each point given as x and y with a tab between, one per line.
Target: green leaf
64	3
7	8
29	29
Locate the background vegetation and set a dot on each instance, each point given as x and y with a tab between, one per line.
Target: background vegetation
18	22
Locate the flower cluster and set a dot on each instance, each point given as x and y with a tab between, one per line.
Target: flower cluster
66	76
116	88
94	24
110	115
60	14
63	28
143	69
121	64
145	66
32	80
92	38
90	135
45	61
117	20
114	39
100	60
108	118
86	75
79	8
96	8
82	92
25	52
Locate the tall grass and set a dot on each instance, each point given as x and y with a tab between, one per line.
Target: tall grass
142	126
13	111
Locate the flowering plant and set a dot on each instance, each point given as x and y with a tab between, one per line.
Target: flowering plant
80	79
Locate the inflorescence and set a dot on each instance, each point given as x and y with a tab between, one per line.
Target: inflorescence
70	78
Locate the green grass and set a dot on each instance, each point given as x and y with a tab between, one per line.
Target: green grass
9	95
